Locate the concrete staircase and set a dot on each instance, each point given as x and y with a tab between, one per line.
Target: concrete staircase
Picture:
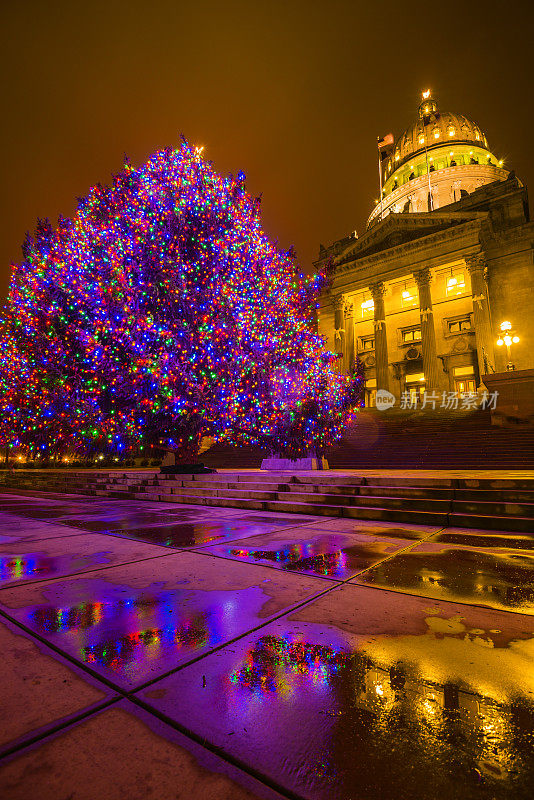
486	503
432	440
411	439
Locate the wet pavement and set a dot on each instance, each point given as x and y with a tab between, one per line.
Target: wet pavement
155	652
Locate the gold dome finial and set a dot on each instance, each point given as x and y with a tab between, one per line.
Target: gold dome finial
428	107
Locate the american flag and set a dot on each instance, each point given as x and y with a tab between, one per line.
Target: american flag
386	141
385	146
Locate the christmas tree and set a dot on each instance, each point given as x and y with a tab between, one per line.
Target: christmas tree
159	314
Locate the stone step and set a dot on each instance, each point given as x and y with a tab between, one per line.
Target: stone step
497	509
398	480
496	483
217	492
497	495
313	498
404	504
429	492
232	485
494	523
323	477
418	517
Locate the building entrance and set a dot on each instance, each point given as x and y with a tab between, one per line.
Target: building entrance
465	386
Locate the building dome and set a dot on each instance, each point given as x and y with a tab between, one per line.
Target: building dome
434	161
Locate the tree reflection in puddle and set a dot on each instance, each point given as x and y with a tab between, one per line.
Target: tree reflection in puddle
388	724
298	558
21	567
138	642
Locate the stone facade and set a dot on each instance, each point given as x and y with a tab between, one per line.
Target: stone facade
420	296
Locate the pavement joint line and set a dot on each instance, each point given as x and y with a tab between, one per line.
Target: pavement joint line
412	594
439	599
80	665
59	726
44	539
311	599
93	569
394	555
265	566
130	693
219	751
269	621
307	601
118	535
322	577
127	692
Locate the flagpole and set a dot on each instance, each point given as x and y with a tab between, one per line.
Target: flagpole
426	96
430	198
379	174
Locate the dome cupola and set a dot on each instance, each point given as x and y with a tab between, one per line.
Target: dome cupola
435	161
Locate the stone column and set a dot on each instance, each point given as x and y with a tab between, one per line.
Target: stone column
428	333
481	313
348	354
339	327
378	291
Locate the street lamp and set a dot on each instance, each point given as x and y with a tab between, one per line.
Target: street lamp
508	338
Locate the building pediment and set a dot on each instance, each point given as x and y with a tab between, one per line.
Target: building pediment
399	229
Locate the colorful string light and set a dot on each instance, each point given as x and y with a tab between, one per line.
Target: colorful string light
159	314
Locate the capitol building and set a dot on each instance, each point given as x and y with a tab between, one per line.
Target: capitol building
447	256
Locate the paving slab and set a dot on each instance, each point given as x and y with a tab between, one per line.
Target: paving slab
39	688
499	577
370	694
282	519
51	511
29	561
130	624
473	537
194	534
19	530
333	555
110	520
123	752
7	500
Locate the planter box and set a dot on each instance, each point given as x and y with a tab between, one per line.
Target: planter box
275	464
515	399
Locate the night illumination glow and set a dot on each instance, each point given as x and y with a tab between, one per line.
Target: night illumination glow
159	314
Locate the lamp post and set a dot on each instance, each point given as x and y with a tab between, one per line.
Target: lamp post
508	338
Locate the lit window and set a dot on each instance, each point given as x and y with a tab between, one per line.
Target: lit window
436	133
452	131
409	296
455	284
411	335
459	325
421	140
368	307
477	136
397	156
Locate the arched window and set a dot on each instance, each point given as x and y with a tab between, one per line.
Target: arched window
436	133
451	130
